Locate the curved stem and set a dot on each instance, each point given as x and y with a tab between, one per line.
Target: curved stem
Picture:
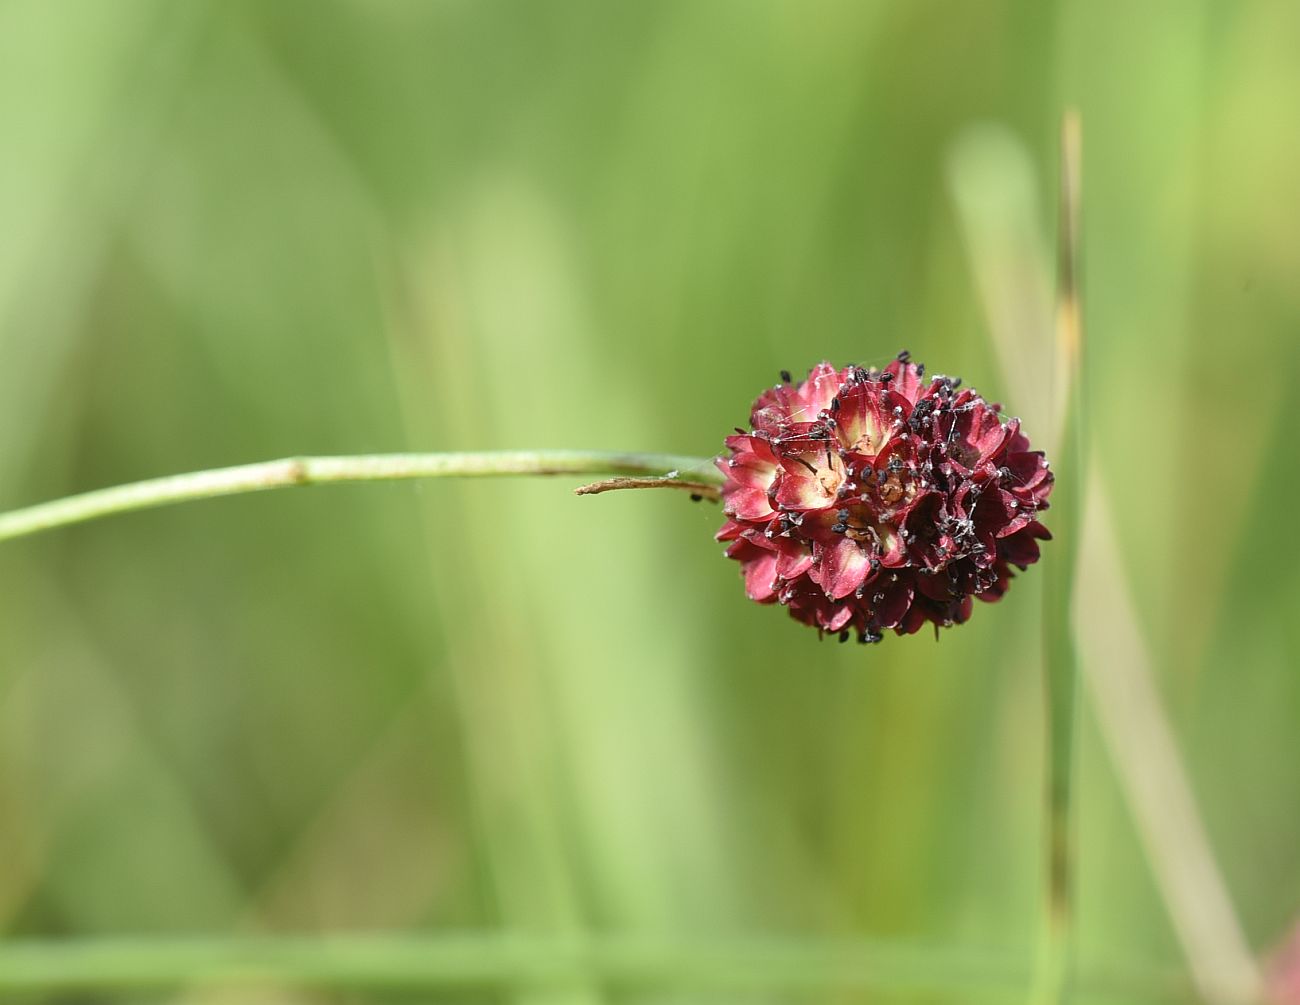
293	471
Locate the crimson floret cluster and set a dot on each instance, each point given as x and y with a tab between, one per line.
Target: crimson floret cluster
868	499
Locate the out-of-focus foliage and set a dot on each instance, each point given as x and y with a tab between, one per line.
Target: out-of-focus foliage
233	231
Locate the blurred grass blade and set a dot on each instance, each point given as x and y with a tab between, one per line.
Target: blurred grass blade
992	180
1133	721
95	129
1061	680
991	176
994	189
473	960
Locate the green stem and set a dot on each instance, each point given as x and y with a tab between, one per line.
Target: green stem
294	471
1061	685
1061	667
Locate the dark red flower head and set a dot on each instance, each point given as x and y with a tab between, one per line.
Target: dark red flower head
873	499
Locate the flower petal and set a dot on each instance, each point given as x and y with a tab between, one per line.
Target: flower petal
906	380
894	600
794	561
816	392
840	567
1019	549
748	504
760	578
810	481
862	420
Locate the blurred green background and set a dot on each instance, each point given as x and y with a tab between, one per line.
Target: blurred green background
231	231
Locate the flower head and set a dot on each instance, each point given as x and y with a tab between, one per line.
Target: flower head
871	499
